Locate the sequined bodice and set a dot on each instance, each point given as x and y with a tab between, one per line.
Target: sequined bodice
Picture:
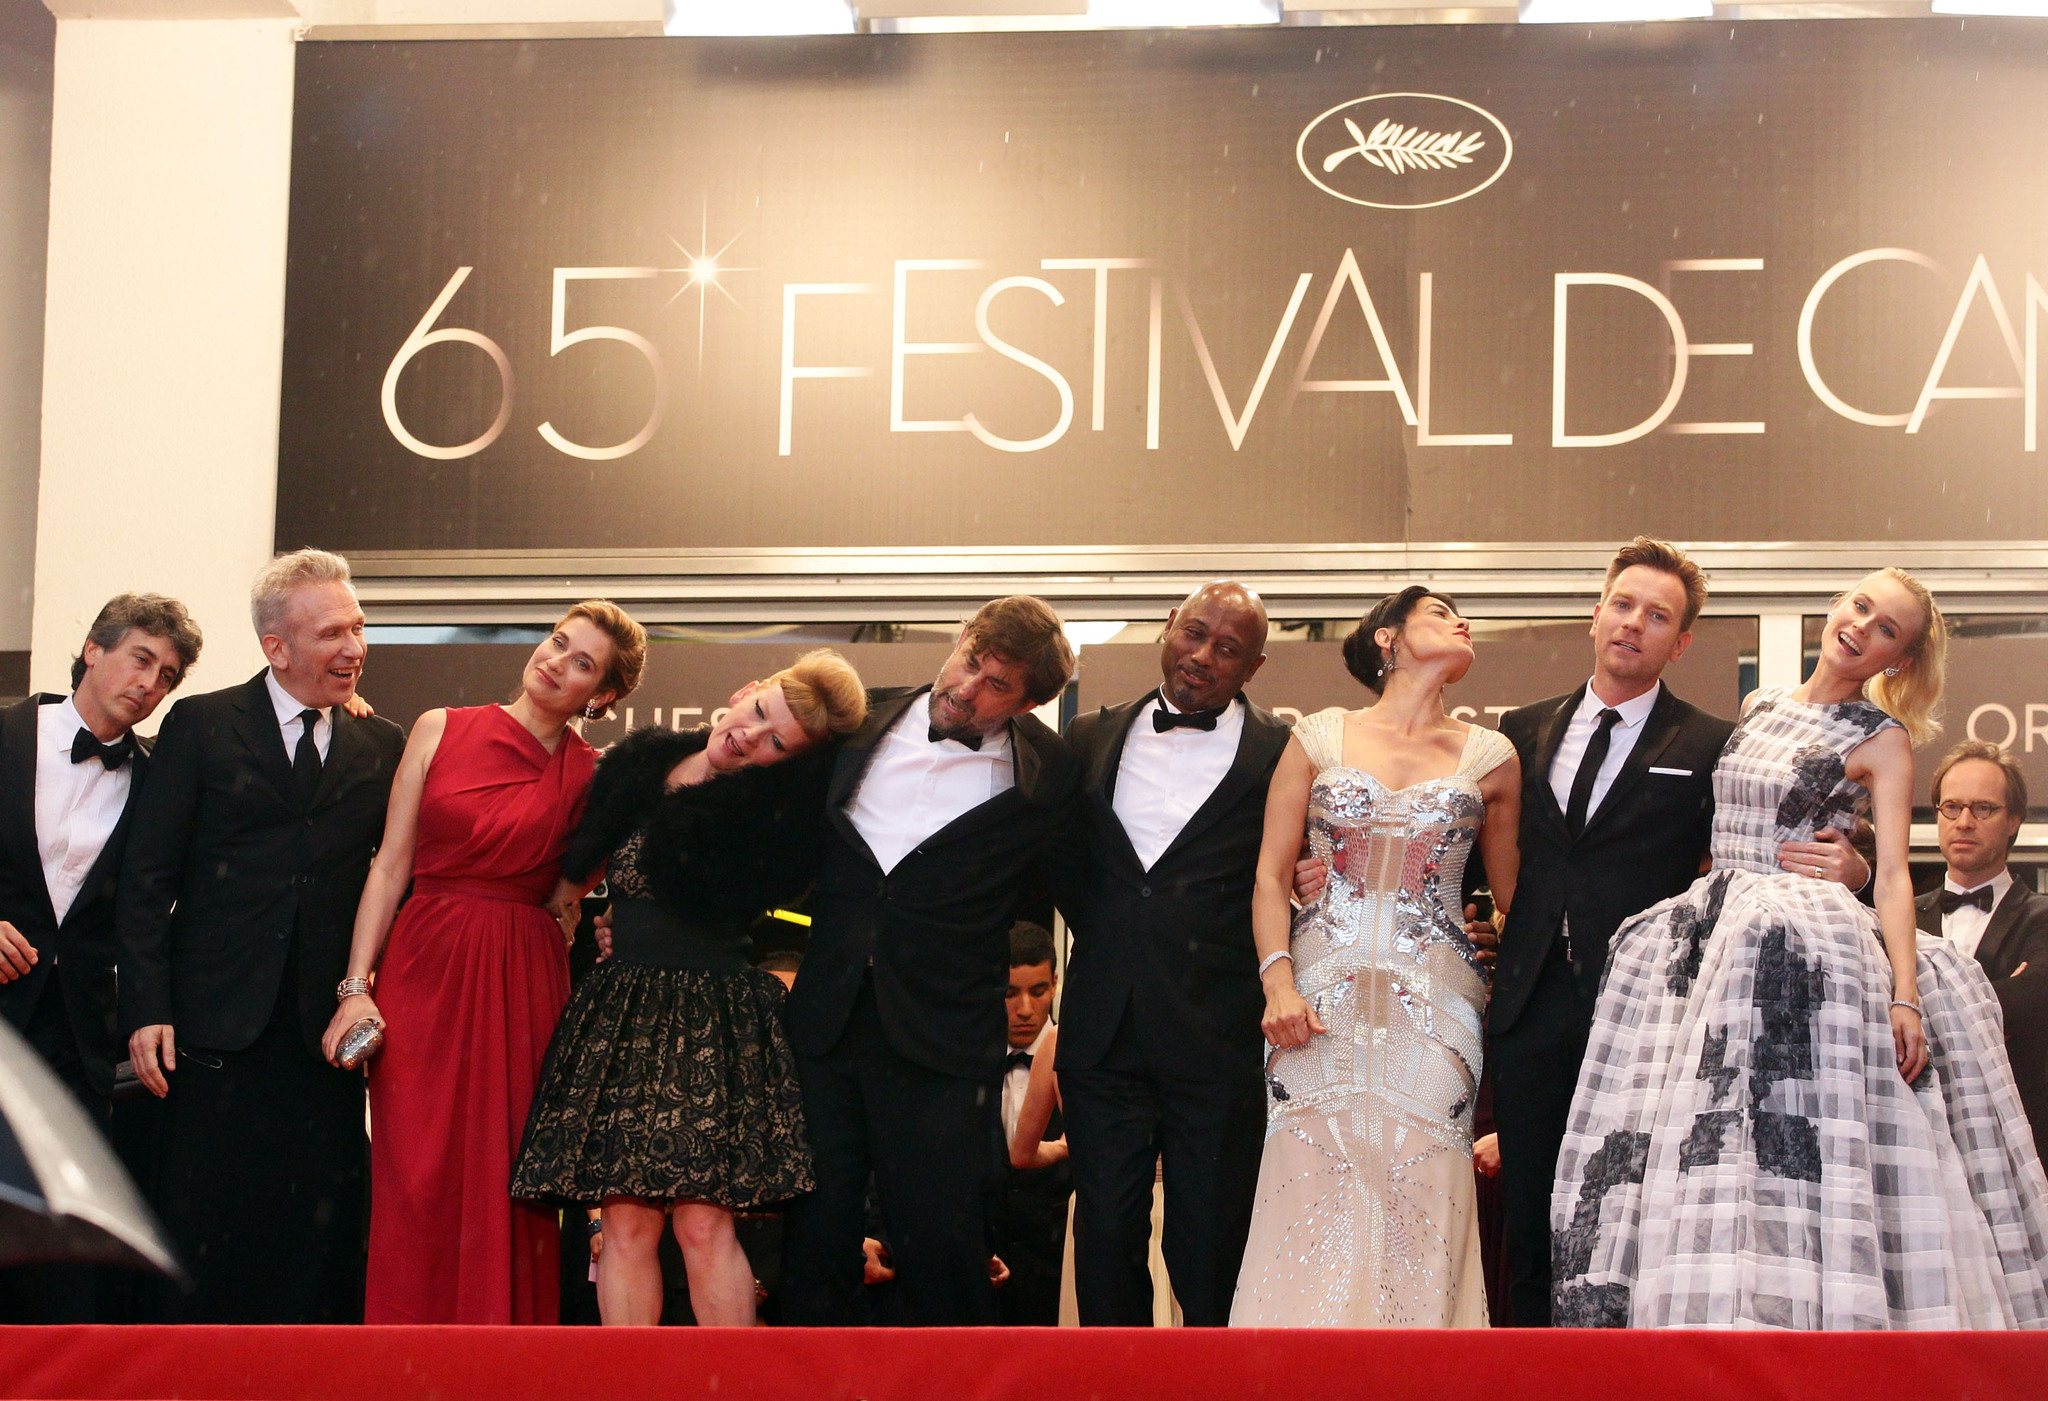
1366	1210
1782	777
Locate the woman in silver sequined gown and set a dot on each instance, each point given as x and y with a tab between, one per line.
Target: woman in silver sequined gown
1793	1113
1366	1213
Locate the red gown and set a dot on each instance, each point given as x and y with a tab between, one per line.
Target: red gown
473	980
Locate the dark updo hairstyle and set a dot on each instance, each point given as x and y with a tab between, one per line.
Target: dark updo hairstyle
1362	656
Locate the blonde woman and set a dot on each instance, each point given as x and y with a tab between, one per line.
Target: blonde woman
1789	1116
670	1092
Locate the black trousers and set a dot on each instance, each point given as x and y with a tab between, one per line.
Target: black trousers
1123	1116
1031	1236
261	1181
929	1143
1536	1067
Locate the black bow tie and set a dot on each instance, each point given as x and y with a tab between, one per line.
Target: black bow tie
1019	1058
1952	900
970	741
1164	719
85	746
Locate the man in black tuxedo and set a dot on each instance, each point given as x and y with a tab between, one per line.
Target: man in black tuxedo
1031	1215
1980	800
1617	808
942	807
70	772
251	842
1160	1052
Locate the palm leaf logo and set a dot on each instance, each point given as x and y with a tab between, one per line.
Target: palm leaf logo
1399	149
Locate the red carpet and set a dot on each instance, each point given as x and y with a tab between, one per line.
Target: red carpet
563	1364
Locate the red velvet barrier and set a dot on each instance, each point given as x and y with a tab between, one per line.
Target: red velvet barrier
566	1364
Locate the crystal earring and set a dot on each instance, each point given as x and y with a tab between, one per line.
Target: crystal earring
1891	671
590	711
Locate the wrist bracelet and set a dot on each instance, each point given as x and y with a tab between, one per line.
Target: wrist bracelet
351	987
1272	958
595	1226
1913	1006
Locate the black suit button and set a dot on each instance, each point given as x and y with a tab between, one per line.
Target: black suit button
309	822
1146	891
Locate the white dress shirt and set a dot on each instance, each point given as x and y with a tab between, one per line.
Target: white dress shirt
913	787
1016	1080
1965	927
289	708
77	805
1620	743
1164	777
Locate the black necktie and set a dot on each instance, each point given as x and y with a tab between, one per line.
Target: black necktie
1589	769
86	746
1164	719
971	741
1951	900
1017	1059
306	758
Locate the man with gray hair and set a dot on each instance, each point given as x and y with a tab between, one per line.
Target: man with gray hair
238	895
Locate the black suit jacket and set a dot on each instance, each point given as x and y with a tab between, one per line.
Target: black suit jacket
2017	933
227	866
76	958
1174	943
1642	845
936	928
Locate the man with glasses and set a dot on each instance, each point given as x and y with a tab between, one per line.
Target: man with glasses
1980	799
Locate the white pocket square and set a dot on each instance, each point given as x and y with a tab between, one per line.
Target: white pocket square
1681	773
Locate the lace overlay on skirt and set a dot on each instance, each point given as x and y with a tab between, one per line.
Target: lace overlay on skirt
1366	1213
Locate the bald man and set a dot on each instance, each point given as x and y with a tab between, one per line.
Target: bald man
1160	1054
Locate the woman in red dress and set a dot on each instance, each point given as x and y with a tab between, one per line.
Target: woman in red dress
473	980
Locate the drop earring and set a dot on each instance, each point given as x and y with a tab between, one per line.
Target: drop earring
590	711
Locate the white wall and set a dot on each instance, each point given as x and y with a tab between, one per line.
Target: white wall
169	177
27	38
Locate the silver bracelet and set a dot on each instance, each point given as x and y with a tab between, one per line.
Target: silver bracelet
1272	958
1914	1007
351	987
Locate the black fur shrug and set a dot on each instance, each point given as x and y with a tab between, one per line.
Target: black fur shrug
721	850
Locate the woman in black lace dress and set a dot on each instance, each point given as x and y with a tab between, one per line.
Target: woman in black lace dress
670	1080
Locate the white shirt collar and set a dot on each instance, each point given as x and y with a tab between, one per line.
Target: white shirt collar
288	706
1632	712
1999	884
65	723
1159	699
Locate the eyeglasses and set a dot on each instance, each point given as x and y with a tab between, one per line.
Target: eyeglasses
1983	812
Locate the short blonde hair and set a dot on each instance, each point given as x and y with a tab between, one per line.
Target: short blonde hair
1665	558
270	596
823	692
629	646
1913	697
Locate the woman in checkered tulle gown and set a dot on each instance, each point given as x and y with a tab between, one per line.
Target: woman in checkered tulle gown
1789	1116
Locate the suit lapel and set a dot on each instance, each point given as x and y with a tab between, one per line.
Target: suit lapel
1548	739
1101	777
256	723
854	756
345	745
102	873
1660	727
18	783
1927	912
1258	743
2003	920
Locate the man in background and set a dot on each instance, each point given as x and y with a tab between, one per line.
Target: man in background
1031	1218
1980	800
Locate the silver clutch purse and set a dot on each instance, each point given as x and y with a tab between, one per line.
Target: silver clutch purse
360	1043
